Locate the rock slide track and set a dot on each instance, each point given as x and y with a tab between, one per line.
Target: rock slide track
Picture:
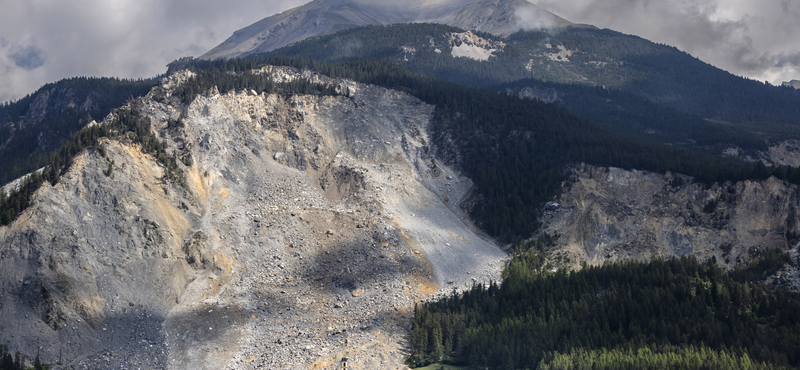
307	228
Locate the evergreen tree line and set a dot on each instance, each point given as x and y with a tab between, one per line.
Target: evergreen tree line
17	362
646	358
129	126
634	117
207	79
663	314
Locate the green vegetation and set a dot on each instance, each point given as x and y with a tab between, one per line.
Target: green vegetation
645	358
34	127
207	79
17	362
441	367
672	313
634	117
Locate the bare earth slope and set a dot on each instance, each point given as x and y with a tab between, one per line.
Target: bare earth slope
320	17
307	229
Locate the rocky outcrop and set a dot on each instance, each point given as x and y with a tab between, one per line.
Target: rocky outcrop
609	214
323	17
785	153
303	233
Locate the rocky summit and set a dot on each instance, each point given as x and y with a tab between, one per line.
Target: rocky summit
321	17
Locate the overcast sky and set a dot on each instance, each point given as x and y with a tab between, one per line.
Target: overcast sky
43	41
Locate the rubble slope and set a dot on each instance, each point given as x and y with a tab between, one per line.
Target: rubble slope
307	228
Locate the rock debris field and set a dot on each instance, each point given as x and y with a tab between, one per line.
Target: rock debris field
307	229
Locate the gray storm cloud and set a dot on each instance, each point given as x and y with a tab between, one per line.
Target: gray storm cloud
46	40
752	38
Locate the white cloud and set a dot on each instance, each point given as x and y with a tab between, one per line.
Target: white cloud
752	38
43	41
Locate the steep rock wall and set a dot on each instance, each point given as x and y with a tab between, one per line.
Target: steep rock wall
613	214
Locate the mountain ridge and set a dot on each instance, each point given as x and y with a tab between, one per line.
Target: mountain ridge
320	17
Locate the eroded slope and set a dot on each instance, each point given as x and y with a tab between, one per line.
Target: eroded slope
306	229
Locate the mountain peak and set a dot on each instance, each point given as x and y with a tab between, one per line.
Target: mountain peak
319	17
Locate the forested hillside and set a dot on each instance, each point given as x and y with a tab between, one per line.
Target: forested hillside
673	313
32	128
658	86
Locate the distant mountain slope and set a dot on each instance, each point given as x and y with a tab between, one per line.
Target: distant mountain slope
320	17
35	126
578	56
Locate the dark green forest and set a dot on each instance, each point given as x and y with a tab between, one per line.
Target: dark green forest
33	127
663	314
632	116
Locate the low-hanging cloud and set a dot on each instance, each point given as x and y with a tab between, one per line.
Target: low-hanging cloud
46	40
753	38
532	18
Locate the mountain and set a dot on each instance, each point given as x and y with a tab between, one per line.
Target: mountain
628	84
793	84
321	17
241	226
297	208
245	212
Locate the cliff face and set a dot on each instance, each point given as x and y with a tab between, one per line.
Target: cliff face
304	232
613	214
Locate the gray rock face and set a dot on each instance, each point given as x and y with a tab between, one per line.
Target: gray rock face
307	228
613	214
322	17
